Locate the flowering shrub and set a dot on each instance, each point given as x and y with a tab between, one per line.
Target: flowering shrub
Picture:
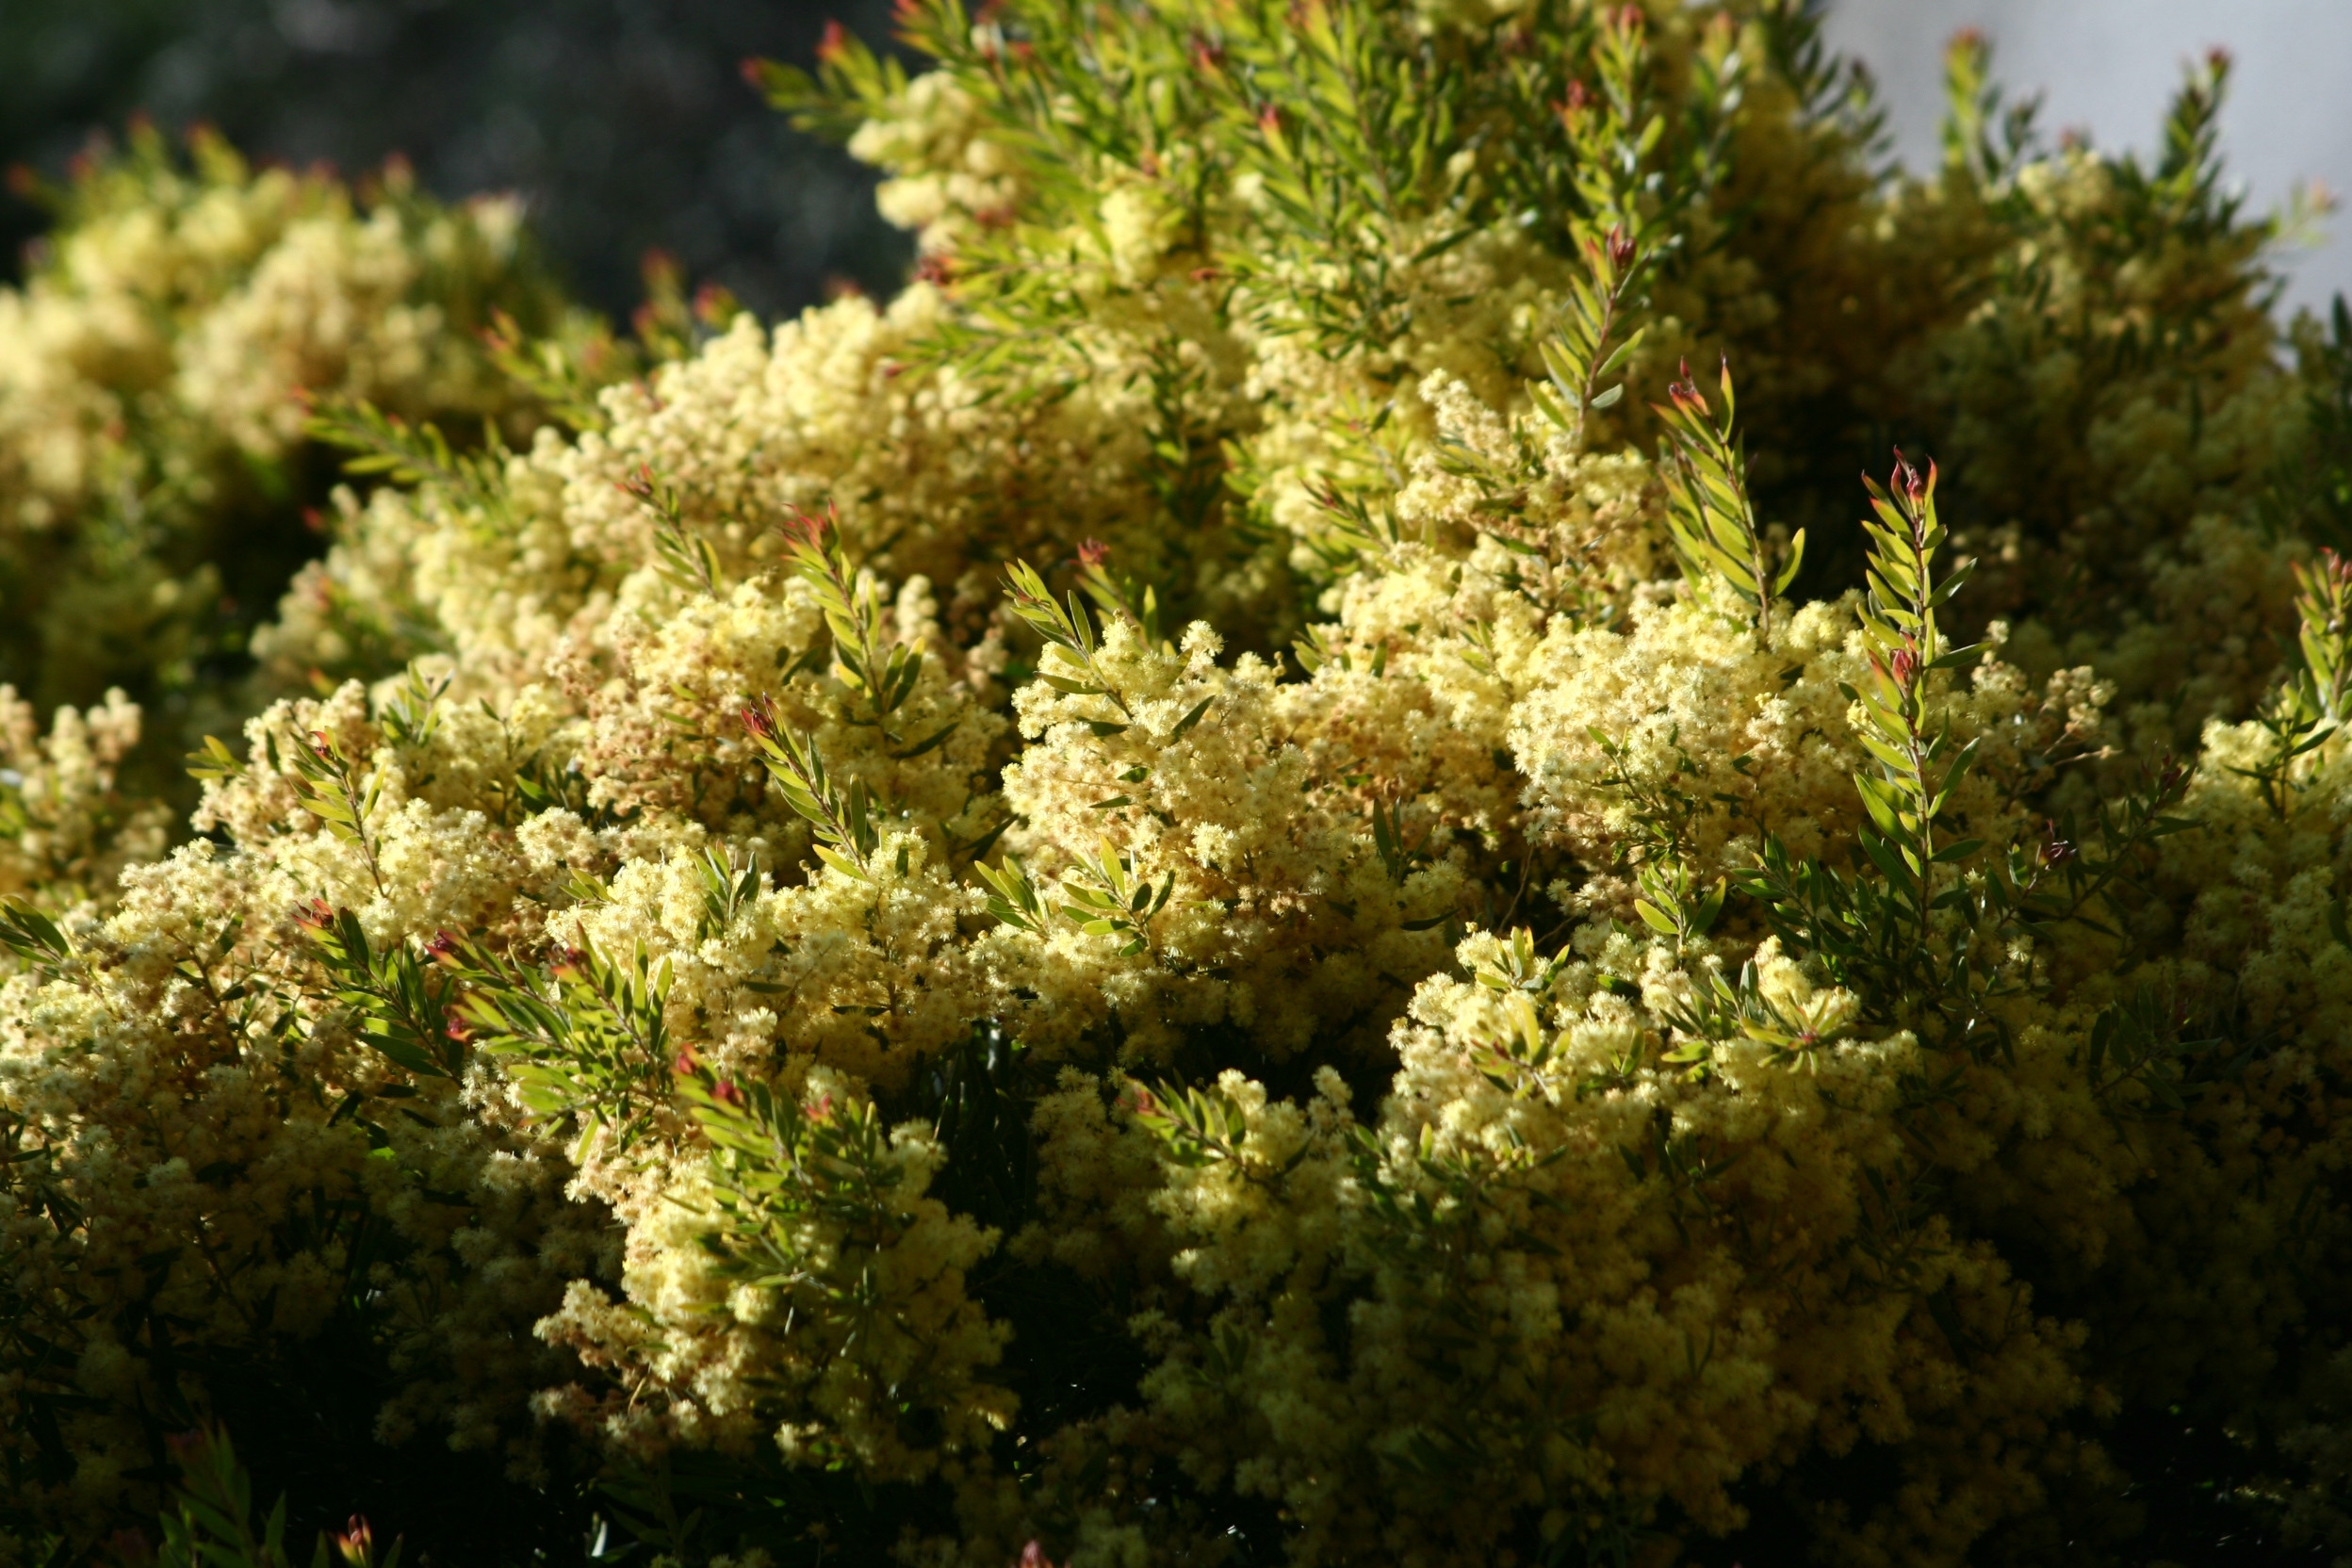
155	463
1245	882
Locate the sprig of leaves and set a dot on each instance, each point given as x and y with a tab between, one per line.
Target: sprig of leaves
1072	663
35	939
411	454
399	1003
785	1178
2310	708
1710	517
1582	353
1105	894
1917	767
847	837
687	558
881	671
329	784
584	1037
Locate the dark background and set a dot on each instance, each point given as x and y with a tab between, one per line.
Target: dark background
625	124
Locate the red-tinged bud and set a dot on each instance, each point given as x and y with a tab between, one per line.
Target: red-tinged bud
1620	247
1092	552
358	1544
21	180
799	529
1144	1103
760	719
1271	120
1205	274
1033	1555
323	746
313	519
725	1093
834	46
685	1064
715	304
1207	53
1905	479
315	916
443	948
2055	850
1904	666
1686	392
995	218
459	1030
754	70
823	1109
2218	59
938	271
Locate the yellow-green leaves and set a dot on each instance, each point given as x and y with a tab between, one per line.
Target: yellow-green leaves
1581	355
847	838
2323	607
399	1004
1710	520
332	790
1105	894
2310	708
1072	663
880	671
583	1037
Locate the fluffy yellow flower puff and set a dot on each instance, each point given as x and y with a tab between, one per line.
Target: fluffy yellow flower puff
153	371
1164	899
65	832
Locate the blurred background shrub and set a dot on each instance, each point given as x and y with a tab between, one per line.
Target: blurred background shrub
624	124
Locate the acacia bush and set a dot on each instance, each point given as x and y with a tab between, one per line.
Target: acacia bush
1265	877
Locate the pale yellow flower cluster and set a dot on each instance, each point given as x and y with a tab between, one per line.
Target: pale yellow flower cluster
1300	1033
155	373
66	831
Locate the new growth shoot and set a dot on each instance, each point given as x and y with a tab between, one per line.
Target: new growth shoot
1716	537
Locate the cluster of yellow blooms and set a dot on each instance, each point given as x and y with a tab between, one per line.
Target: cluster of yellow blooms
1209	891
155	462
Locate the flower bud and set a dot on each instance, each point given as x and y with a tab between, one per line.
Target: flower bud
1905	479
358	1544
1904	666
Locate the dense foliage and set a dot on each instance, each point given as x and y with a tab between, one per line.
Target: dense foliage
1246	882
